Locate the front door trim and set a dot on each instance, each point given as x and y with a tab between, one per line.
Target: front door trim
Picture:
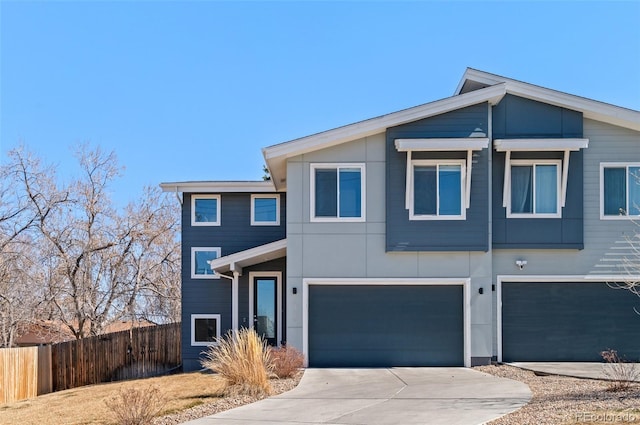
465	282
278	276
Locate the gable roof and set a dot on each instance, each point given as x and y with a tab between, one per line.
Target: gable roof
475	87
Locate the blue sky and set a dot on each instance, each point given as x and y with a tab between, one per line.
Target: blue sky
194	90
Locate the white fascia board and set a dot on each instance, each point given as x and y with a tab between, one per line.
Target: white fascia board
453	144
379	124
219	186
528	145
592	109
249	257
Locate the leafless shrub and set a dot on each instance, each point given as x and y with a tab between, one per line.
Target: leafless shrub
136	406
286	361
620	373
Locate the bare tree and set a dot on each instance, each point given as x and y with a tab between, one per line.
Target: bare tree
92	265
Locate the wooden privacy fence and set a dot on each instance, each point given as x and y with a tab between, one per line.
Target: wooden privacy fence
138	353
24	373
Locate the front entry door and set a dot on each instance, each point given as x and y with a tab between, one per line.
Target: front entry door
265	302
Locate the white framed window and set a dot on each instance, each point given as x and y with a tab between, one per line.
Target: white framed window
337	192
437	190
200	258
619	190
205	210
205	329
265	210
534	189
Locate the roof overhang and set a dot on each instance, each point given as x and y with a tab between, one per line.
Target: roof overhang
260	254
276	156
452	144
591	109
219	186
530	145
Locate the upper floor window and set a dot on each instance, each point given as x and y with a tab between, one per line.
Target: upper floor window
265	210
619	190
200	258
535	188
205	329
205	210
438	190
337	192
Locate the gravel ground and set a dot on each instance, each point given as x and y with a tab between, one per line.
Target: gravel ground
278	386
562	400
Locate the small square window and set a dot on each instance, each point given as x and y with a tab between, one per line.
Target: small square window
619	191
337	192
205	329
265	210
205	210
534	189
200	258
438	190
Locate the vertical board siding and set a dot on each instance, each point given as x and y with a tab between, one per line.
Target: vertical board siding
141	352
470	234
18	374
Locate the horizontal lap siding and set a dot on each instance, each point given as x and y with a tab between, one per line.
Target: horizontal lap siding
470	234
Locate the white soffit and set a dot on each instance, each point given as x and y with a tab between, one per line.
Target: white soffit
219	187
591	109
452	144
528	145
249	257
277	155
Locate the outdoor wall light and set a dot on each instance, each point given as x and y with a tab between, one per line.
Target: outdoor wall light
481	291
521	264
295	291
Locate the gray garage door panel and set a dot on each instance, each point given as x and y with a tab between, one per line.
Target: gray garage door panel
386	325
568	321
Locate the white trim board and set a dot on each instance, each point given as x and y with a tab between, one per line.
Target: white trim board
500	279
465	282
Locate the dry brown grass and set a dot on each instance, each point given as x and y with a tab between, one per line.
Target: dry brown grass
243	358
86	405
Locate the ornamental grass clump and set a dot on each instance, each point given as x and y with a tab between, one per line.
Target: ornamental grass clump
136	406
244	360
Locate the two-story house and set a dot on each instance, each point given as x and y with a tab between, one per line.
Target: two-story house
488	225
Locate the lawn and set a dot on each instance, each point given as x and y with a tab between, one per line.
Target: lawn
86	405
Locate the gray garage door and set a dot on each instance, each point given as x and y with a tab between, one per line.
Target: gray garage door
385	325
568	322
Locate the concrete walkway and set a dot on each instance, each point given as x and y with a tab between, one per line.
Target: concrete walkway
384	396
594	370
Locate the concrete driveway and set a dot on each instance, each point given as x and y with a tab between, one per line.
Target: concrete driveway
384	396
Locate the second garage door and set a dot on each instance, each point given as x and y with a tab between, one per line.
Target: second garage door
549	321
385	325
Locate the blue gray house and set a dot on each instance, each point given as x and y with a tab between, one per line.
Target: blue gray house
486	225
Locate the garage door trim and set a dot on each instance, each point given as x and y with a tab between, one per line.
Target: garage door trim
465	282
501	279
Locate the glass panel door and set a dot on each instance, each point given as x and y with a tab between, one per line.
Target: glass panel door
265	308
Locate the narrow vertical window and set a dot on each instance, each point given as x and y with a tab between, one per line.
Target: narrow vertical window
620	190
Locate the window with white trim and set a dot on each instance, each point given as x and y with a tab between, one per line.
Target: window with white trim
265	210
200	258
205	210
205	329
534	189
619	190
438	190
337	192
